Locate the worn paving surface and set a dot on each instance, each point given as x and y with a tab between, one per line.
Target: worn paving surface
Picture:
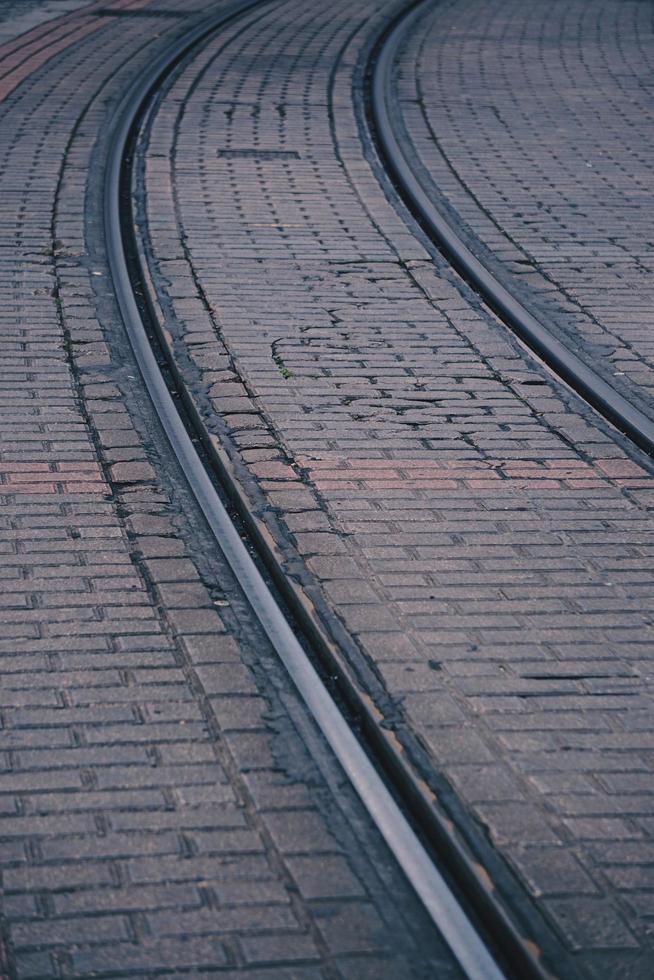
22	16
535	122
166	807
483	541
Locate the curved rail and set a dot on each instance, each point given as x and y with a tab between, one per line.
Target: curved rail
563	361
437	898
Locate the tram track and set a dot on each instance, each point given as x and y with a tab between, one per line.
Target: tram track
417	191
418	833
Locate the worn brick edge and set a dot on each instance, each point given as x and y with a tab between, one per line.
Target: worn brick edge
340	654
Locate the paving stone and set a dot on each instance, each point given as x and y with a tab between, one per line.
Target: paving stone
278	949
591	923
324	877
131	472
554	872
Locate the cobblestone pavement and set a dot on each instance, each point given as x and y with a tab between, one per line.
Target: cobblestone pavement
476	539
535	122
165	805
22	16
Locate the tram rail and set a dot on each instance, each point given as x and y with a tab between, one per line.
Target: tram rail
461	900
414	188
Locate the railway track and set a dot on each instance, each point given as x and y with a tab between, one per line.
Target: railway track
417	191
487	940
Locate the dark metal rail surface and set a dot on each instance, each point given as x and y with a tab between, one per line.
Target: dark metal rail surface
416	194
514	945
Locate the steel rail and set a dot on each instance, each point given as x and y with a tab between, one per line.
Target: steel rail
564	362
436	896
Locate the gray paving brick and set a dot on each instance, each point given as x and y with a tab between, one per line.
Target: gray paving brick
278	949
153	957
180	896
62	932
324	877
253	918
54	878
551	872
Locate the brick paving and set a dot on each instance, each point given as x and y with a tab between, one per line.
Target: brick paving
535	123
29	51
479	542
22	16
165	805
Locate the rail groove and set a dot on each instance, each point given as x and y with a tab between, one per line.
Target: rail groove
519	953
613	406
